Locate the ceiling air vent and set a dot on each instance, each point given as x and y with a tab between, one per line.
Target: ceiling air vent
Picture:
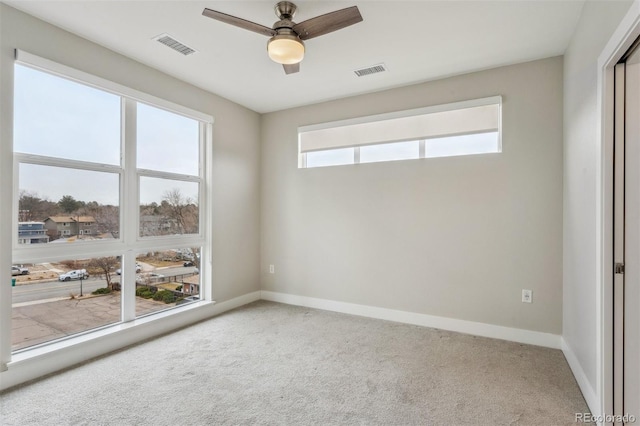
370	70
171	42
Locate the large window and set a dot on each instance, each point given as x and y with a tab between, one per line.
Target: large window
109	204
462	128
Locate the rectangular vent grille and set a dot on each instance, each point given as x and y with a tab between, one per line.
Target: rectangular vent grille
371	70
174	44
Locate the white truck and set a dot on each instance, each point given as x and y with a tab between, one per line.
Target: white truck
76	274
19	270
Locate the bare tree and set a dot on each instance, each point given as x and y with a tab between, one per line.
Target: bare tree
183	210
106	265
107	216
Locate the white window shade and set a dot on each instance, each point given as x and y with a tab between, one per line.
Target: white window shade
446	120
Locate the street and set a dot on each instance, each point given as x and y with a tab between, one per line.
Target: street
56	289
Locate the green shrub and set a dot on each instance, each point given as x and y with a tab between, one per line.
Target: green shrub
146	294
169	297
103	290
179	288
141	290
165	295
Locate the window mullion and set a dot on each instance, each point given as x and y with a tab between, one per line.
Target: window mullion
206	257
168	175
129	220
42	160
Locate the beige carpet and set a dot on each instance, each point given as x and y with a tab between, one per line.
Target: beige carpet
275	364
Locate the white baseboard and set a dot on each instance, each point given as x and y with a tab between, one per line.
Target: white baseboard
236	302
462	326
590	395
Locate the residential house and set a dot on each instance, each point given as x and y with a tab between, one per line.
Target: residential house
151	225
191	285
32	233
67	226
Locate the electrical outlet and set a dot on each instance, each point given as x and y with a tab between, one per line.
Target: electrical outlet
272	269
527	296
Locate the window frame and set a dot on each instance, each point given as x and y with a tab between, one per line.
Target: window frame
128	243
454	106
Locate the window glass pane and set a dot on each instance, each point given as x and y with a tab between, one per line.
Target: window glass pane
166	279
167	142
481	143
57	117
70	204
330	157
57	299
168	207
390	152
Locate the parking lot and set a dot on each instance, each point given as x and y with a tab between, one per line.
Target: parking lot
34	323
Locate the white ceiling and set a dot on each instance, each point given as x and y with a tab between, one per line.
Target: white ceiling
417	40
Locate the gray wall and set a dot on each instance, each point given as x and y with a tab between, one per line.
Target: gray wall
455	237
236	134
581	138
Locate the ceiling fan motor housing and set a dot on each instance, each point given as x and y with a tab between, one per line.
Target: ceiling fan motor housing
285	10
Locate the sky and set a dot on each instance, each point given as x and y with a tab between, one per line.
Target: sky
55	117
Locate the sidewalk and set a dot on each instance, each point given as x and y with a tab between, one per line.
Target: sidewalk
37	323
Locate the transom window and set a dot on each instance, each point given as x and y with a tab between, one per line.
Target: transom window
117	180
462	128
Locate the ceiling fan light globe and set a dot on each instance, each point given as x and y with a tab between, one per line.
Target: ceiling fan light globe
285	49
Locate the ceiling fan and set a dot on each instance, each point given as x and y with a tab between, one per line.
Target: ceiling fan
285	45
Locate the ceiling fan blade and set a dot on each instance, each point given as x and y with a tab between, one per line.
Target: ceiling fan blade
293	68
327	23
239	22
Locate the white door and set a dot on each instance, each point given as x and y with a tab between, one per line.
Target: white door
627	239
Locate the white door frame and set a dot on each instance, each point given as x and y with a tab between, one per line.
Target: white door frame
619	236
627	32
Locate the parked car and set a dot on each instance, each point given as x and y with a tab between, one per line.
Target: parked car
138	269
188	263
19	270
76	274
149	277
188	299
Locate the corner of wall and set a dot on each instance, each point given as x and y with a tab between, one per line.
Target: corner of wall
589	393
